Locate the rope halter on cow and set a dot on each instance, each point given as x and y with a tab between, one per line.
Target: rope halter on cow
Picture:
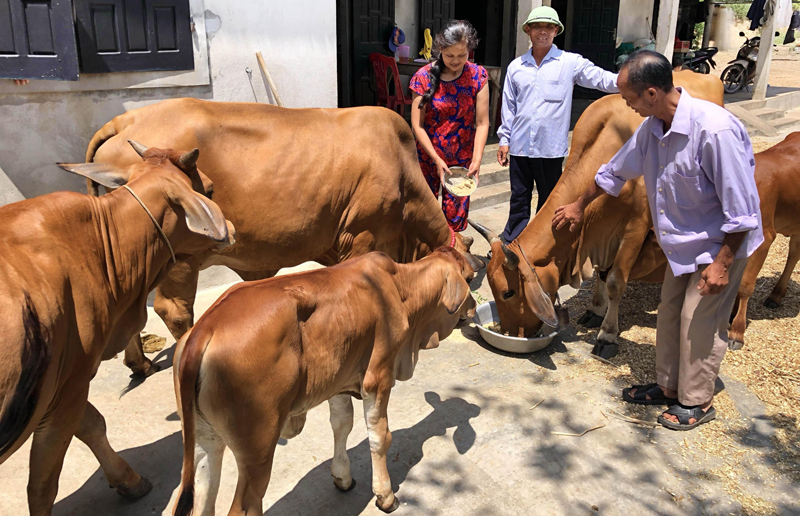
158	226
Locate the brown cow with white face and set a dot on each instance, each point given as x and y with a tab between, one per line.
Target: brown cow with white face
281	346
298	184
615	236
74	278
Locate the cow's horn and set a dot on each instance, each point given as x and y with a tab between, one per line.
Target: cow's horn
138	147
189	160
512	260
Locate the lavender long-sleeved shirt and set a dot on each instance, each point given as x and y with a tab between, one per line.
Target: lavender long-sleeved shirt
699	179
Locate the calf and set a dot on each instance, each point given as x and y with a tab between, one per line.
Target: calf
74	278
282	346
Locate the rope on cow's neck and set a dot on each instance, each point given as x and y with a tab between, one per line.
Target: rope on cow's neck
528	263
158	226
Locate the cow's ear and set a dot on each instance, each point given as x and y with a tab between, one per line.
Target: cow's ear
203	216
538	301
110	176
455	292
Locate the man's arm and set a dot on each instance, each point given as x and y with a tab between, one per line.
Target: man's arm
508	111
588	75
626	164
727	159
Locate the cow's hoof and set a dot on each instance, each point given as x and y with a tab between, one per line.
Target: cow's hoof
590	320
735	344
391	508
148	368
342	489
139	490
605	350
771	304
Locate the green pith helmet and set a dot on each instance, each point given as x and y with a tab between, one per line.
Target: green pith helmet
544	14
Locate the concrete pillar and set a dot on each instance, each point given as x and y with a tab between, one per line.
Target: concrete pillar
523	10
707	26
764	59
667	24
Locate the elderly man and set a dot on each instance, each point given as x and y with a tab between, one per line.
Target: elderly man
698	168
537	101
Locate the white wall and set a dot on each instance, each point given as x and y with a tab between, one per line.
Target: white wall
406	16
635	19
297	40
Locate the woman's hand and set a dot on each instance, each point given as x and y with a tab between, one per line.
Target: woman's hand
443	169
474	169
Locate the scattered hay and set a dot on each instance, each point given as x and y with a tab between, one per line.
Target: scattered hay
153	343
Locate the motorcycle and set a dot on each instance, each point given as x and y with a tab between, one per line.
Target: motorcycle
741	71
699	60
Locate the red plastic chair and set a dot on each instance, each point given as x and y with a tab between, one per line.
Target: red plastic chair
381	64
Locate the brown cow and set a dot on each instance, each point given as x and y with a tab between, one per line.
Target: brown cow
299	184
74	280
282	346
615	236
778	181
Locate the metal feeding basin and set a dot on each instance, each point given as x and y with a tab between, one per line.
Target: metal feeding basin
487	313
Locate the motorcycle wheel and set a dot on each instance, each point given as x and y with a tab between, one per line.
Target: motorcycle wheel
701	68
732	78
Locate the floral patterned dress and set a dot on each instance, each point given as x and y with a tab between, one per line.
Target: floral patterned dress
450	124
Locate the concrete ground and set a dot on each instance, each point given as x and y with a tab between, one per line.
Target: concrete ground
468	439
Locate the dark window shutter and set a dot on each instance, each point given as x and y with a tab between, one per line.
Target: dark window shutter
434	15
134	35
37	40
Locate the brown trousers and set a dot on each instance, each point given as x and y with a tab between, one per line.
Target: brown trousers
692	333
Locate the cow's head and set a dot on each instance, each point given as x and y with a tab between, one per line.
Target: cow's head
451	274
523	294
463	243
194	223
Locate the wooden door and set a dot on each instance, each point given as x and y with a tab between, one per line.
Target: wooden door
373	21
434	15
594	30
594	36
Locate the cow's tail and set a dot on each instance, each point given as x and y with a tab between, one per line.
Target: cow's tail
17	409
105	133
187	386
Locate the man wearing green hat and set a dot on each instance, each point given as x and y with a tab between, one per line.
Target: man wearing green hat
537	101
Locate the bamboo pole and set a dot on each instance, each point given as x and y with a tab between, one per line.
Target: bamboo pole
271	84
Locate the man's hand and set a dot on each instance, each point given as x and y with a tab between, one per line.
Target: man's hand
571	214
502	155
713	279
474	169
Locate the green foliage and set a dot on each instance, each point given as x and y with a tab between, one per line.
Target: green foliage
740	10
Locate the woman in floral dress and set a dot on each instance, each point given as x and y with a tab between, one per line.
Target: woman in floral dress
450	115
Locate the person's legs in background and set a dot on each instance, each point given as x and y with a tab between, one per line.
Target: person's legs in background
546	175
521	174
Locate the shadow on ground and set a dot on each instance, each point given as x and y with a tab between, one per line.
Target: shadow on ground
159	462
316	490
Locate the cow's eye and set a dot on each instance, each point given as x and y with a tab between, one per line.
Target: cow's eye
508	294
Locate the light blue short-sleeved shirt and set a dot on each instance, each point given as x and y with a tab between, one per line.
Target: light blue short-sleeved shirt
537	101
699	178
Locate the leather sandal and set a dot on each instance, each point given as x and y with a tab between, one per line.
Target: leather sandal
684	413
651	390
